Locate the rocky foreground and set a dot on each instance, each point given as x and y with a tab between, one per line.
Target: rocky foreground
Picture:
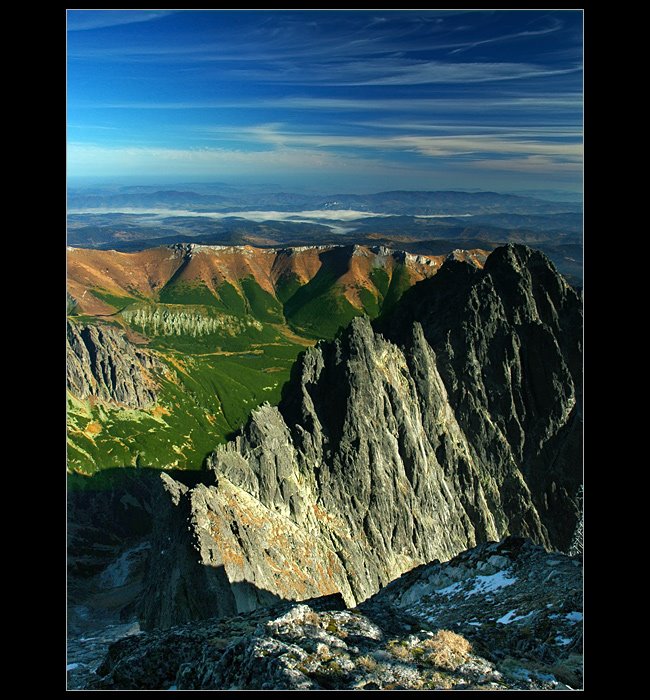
504	615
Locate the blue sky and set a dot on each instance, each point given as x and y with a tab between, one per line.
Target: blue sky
331	101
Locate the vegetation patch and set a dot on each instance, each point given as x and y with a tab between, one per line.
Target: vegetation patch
446	650
262	305
119	302
186	293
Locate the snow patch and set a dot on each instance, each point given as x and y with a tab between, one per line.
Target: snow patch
71	667
486	584
573	616
511	616
449	590
508	617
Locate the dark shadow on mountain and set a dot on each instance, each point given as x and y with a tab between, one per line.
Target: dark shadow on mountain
117	668
113	509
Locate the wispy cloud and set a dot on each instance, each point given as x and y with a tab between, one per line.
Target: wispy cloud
536	164
391	72
495	102
406	93
547	102
533	130
555	25
309	216
93	127
83	20
327	49
272	146
223	161
432	146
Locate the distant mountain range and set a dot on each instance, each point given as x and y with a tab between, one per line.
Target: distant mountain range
429	223
409	203
368	279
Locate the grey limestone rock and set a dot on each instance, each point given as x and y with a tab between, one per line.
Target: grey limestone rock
102	363
508	343
504	615
456	424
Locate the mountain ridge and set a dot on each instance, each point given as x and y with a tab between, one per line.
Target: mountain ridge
396	451
392	201
210	332
147	274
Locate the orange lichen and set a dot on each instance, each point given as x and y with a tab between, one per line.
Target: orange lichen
158	411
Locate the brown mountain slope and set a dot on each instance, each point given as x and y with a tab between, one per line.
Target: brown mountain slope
97	280
120	274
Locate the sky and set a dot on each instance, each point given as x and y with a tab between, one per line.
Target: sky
329	101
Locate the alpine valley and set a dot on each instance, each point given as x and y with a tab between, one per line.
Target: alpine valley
332	460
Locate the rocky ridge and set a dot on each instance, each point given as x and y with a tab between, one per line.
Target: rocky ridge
459	424
102	363
183	321
504	615
508	343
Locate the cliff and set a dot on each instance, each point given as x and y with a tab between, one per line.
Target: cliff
459	424
102	363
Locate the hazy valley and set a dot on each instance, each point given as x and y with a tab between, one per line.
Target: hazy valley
430	223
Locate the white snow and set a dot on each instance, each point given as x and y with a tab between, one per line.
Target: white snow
474	624
480	584
508	617
511	616
494	582
573	616
448	590
562	640
71	667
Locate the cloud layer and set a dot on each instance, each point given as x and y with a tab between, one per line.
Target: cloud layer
317	98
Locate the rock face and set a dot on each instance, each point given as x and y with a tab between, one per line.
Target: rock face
102	363
504	615
459	425
508	343
166	321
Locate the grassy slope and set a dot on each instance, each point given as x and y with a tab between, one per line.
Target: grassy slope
213	382
318	309
205	399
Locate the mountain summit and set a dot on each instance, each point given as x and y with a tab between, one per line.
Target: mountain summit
454	421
